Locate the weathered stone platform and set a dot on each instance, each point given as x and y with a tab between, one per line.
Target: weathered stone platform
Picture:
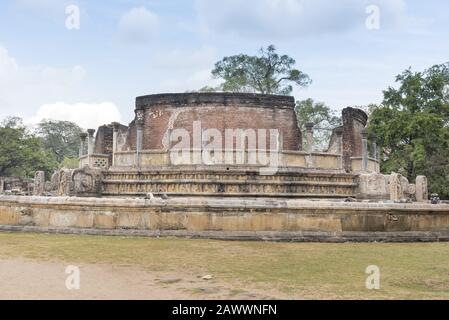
229	218
237	182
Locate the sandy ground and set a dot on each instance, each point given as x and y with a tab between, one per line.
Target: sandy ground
22	279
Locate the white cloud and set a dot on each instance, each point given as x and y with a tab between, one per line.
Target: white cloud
139	25
86	115
23	88
289	18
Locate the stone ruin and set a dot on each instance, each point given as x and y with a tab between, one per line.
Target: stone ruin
133	181
16	186
134	160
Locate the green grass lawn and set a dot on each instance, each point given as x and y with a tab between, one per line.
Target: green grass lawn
301	270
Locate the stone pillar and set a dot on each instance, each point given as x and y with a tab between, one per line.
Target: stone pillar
395	187
309	128
65	183
309	149
364	150
116	127
339	133
374	146
354	120
39	183
139	134
90	142
2	186
422	193
83	137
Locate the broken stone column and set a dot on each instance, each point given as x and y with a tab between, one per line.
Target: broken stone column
309	128
83	137
39	183
374	145
55	180
90	142
422	193
395	187
116	127
65	183
139	132
339	133
364	150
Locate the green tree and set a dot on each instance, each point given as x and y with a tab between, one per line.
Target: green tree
412	126
21	152
269	73
323	118
70	163
60	137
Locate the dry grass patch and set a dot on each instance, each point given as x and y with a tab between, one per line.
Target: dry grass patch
299	270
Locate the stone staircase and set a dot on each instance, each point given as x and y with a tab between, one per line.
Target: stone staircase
227	182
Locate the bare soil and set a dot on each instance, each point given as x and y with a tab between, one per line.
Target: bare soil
22	279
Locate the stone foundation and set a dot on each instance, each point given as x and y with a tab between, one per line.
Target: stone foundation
269	219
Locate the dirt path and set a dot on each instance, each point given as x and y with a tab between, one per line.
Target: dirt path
25	279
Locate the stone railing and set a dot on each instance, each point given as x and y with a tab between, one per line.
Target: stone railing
163	158
95	161
357	165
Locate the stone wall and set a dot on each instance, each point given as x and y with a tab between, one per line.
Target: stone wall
195	216
215	110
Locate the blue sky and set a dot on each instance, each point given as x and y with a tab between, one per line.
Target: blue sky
128	48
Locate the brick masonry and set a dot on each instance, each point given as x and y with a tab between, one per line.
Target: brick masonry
354	120
215	110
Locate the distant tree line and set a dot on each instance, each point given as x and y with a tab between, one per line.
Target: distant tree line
47	147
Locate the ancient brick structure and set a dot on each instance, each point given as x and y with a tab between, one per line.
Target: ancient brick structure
165	112
137	159
130	183
354	121
103	141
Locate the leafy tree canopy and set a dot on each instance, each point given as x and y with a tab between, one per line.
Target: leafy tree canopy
324	119
60	137
21	152
412	126
268	73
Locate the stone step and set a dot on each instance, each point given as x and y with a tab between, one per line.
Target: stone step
230	195
231	182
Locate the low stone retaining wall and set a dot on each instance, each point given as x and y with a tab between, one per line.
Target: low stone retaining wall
227	218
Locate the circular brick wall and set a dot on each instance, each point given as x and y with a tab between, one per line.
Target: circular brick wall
165	112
